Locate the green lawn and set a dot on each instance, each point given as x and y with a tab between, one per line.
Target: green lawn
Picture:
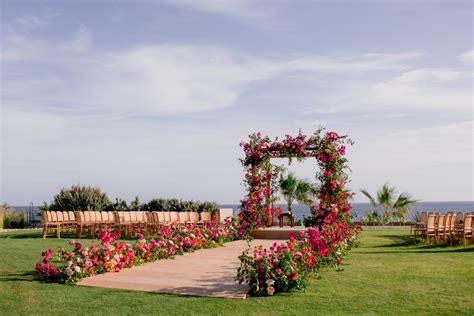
386	275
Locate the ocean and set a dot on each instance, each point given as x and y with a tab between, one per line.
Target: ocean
358	209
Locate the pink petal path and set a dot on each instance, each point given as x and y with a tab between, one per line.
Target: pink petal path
206	272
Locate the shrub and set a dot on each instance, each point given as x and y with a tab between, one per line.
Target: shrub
10	218
156	205
118	205
80	198
136	205
174	205
207	207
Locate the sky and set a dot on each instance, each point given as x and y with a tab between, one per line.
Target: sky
152	98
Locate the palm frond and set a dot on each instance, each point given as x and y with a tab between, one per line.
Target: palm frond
371	199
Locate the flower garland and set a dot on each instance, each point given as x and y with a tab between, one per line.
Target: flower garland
111	255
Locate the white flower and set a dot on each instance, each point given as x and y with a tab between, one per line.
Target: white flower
77	268
270	282
69	272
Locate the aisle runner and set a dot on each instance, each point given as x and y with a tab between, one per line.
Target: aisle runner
206	272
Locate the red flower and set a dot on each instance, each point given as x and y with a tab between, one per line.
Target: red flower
293	275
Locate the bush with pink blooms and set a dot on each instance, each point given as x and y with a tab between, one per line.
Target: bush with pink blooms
287	266
78	262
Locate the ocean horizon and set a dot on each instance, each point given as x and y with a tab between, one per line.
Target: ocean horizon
358	209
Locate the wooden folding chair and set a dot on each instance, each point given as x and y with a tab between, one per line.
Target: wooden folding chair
464	233
50	222
183	218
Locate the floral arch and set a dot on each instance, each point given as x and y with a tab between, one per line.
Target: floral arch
328	149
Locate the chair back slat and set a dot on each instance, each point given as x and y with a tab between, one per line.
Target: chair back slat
447	222
72	216
127	217
166	217
133	217
104	217
183	217
206	216
431	221
54	217
87	216
459	217
468	222
65	216
79	217
59	216
423	217
194	217
46	217
440	221
174	217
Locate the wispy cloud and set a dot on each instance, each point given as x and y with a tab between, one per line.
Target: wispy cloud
243	9
422	88
467	57
31	22
154	79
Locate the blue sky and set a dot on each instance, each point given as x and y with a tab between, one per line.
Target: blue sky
152	98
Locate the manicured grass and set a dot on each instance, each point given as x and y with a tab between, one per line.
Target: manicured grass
385	275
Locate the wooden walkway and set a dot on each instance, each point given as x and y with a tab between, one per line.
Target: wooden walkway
206	272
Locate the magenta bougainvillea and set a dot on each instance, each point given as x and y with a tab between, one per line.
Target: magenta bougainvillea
327	148
285	266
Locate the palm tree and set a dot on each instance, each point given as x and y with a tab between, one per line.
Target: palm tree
390	205
293	189
402	205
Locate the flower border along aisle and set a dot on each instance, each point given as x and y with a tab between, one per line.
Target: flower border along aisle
69	266
286	266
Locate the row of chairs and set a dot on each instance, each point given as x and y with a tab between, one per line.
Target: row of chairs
126	221
449	226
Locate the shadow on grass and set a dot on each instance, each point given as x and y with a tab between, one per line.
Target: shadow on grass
430	250
37	235
21	235
406	243
397	241
26	276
